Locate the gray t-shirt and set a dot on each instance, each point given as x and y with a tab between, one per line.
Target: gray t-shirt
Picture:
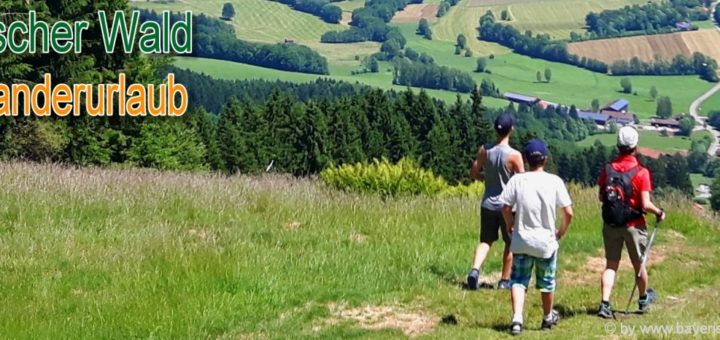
536	196
497	174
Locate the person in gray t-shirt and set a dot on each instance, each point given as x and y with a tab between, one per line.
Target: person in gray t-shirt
499	162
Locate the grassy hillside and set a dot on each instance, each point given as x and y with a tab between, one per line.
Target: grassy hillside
569	84
229	70
272	22
256	20
142	254
555	17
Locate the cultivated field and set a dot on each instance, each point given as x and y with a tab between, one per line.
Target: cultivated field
414	12
665	46
555	17
141	254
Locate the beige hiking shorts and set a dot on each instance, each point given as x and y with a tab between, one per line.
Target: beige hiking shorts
635	238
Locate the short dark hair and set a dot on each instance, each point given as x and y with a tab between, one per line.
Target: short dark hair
626	150
536	161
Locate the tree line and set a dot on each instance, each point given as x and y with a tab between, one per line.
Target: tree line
431	76
699	64
445	6
543	47
651	18
583	166
370	23
320	8
215	39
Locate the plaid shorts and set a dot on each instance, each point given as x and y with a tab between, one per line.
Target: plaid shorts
522	267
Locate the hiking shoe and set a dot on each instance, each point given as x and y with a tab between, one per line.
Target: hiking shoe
504	284
605	311
473	279
516	328
644	304
552	321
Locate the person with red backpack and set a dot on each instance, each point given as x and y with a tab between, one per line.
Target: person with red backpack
625	188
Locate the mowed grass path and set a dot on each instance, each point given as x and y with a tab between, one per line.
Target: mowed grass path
569	84
140	254
228	70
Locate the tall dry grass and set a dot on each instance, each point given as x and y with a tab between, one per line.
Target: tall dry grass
96	253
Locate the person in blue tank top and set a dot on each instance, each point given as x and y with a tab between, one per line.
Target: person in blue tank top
494	165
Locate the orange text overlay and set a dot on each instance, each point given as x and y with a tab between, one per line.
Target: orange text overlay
43	100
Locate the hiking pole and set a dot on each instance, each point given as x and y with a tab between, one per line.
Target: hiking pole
642	265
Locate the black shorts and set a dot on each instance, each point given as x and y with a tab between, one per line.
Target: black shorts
490	222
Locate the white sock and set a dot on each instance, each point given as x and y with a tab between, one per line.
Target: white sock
548	317
517	317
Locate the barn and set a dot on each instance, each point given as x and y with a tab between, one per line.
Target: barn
521	99
620	105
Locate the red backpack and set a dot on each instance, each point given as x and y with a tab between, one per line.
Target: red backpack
616	194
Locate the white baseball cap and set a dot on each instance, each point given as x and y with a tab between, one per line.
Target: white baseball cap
628	137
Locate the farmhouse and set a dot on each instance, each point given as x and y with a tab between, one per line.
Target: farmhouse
650	153
521	99
620	118
667	123
620	105
598	118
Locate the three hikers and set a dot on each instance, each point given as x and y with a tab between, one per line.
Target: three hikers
536	196
499	162
523	206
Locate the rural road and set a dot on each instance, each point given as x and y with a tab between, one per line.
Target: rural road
695	106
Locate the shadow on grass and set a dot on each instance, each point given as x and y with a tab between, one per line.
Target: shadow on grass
451	279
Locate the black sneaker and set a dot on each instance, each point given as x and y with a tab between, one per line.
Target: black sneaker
644	304
516	328
473	279
605	311
504	284
552	322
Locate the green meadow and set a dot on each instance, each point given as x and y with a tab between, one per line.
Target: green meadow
569	84
145	254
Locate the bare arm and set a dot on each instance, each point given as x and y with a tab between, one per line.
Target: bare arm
649	207
509	218
567	219
515	163
477	166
